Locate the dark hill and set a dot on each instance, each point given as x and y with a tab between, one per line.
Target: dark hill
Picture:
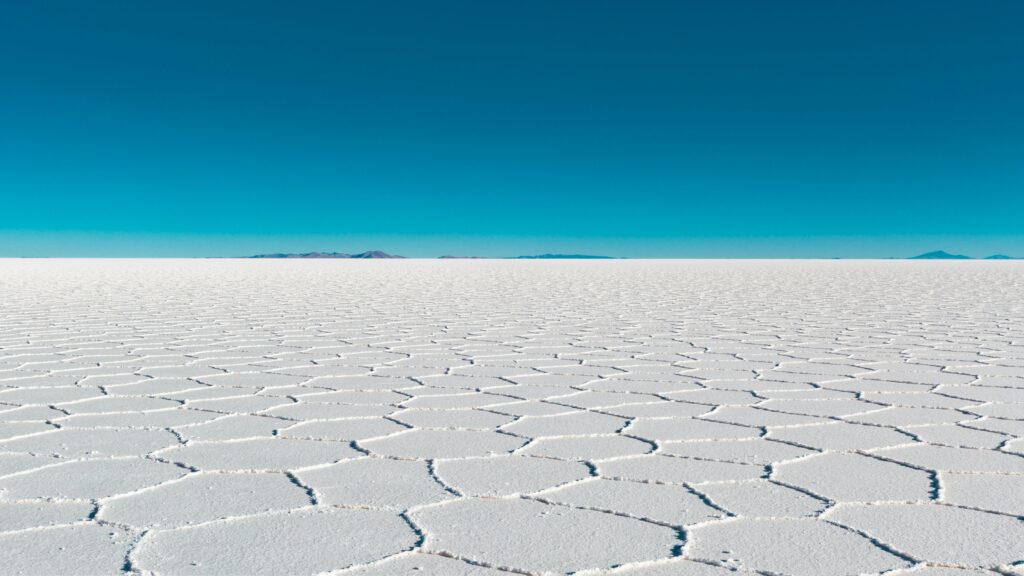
939	255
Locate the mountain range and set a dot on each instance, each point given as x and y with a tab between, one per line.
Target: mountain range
367	254
943	255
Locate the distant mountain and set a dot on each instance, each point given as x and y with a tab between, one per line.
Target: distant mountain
304	255
375	254
1002	257
368	254
562	257
939	255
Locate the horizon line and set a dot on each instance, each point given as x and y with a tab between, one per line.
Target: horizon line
605	258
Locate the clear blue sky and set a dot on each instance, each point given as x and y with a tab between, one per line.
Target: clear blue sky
732	128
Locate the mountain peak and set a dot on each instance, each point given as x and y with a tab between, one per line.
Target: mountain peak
939	255
375	254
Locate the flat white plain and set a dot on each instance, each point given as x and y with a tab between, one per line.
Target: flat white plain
486	417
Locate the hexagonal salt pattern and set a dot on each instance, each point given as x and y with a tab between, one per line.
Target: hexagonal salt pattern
490	417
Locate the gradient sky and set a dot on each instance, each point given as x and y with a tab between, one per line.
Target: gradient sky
860	128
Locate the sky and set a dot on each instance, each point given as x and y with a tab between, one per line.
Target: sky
847	128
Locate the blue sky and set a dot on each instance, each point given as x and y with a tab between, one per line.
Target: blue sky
663	129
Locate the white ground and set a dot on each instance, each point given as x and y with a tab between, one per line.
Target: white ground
454	417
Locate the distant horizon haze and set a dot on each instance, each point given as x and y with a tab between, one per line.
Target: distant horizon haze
381	254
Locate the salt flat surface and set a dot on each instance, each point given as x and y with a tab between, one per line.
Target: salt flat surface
487	417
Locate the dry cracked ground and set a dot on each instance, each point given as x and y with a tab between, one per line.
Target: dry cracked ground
453	418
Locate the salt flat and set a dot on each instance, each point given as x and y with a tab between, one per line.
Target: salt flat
484	417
